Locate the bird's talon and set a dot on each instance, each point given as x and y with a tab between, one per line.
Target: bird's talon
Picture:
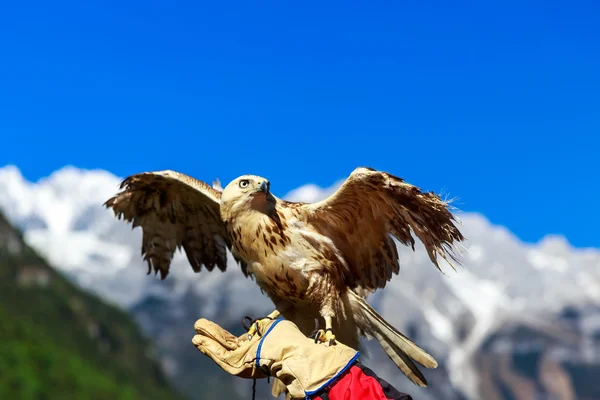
252	330
257	327
329	336
325	336
318	335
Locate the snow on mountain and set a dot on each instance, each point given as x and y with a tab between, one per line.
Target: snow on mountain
503	279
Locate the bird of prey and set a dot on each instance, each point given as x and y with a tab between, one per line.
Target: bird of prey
315	261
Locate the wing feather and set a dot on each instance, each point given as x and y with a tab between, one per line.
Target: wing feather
175	211
370	208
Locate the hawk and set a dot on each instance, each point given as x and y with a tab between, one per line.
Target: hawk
315	261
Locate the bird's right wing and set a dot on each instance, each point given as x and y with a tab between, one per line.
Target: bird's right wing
174	211
371	207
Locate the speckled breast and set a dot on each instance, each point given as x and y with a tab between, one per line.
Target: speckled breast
281	282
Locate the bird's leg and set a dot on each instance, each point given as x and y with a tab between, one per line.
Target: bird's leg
326	336
323	287
257	326
327	312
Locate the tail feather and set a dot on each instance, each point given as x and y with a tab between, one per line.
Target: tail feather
402	360
401	350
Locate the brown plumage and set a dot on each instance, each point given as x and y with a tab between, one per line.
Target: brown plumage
315	260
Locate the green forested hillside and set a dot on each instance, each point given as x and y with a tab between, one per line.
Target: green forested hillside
58	342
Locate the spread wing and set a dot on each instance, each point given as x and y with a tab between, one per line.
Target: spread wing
174	211
370	208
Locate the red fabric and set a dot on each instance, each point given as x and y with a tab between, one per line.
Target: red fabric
355	384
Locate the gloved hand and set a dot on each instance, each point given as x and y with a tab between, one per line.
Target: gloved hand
282	351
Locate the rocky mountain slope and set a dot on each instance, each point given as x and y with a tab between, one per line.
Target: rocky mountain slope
519	320
59	342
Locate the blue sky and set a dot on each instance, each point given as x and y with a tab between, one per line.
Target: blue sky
497	103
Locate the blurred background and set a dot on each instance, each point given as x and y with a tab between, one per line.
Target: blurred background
496	104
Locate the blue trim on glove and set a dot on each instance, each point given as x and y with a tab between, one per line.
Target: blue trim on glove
278	320
329	382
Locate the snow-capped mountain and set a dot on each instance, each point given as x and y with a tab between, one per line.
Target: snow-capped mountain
508	294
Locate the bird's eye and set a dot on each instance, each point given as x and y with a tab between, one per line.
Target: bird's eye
244	183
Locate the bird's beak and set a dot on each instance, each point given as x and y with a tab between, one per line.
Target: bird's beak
264	187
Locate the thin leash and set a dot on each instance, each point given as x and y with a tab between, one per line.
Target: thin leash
247	322
315	333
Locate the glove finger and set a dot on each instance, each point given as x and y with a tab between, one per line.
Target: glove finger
210	347
231	361
211	330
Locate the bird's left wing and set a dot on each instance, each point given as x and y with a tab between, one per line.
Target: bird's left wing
174	211
371	207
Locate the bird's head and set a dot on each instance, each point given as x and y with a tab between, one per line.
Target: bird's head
248	192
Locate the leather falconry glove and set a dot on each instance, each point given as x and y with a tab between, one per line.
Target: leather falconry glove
281	351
